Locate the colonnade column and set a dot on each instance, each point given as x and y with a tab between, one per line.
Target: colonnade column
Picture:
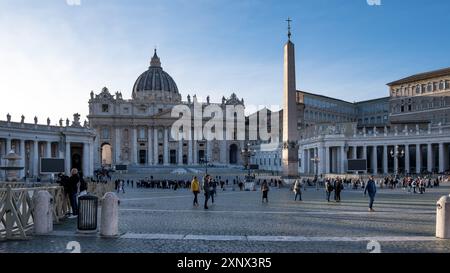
343	159
8	146
385	159
67	158
36	158
374	160
441	157
430	157
327	159
22	155
85	159
355	152
48	149
418	158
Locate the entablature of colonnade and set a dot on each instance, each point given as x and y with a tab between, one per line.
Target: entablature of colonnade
380	139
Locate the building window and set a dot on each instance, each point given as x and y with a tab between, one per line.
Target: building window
424	87
447	84
105	108
142	133
435	86
417	89
429	87
441	85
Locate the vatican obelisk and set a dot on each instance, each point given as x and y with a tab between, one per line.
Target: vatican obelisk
290	131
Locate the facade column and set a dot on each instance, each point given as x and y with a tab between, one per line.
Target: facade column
407	165
327	159
149	147
180	151
117	142
441	158
48	150
85	159
36	158
396	159
209	144
155	146
385	160
364	152
22	155
166	146
430	157
190	149
195	152
343	159
67	158
418	159
223	151
374	160
134	146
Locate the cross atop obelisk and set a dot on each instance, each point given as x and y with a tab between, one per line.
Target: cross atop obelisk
289	27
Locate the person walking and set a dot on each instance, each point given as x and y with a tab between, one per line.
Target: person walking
195	188
297	190
206	190
337	190
328	189
73	191
414	185
265	191
371	189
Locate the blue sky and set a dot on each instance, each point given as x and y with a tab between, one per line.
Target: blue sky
53	54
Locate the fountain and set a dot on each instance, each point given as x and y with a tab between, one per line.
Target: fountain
12	167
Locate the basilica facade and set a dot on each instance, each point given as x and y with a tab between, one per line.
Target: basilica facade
137	132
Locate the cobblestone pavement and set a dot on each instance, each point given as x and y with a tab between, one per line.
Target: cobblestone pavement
158	220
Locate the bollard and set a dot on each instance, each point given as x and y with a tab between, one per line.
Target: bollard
443	218
43	213
110	215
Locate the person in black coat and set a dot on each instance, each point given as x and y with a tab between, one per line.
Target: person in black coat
337	190
73	191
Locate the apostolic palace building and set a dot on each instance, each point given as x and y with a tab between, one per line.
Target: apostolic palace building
408	131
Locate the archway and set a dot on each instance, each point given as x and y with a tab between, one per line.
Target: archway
233	154
106	155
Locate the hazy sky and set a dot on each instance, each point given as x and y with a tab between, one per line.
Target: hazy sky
53	54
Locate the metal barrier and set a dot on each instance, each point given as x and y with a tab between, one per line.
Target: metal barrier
16	209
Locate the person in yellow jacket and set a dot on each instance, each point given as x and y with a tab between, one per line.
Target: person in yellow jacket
195	188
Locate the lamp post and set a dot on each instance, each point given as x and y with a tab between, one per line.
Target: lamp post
205	161
396	155
247	153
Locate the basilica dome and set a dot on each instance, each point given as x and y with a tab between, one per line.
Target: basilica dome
154	79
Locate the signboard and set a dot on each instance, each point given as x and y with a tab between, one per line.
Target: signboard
121	167
357	165
52	165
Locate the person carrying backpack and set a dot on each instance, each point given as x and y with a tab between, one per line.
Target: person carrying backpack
328	189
